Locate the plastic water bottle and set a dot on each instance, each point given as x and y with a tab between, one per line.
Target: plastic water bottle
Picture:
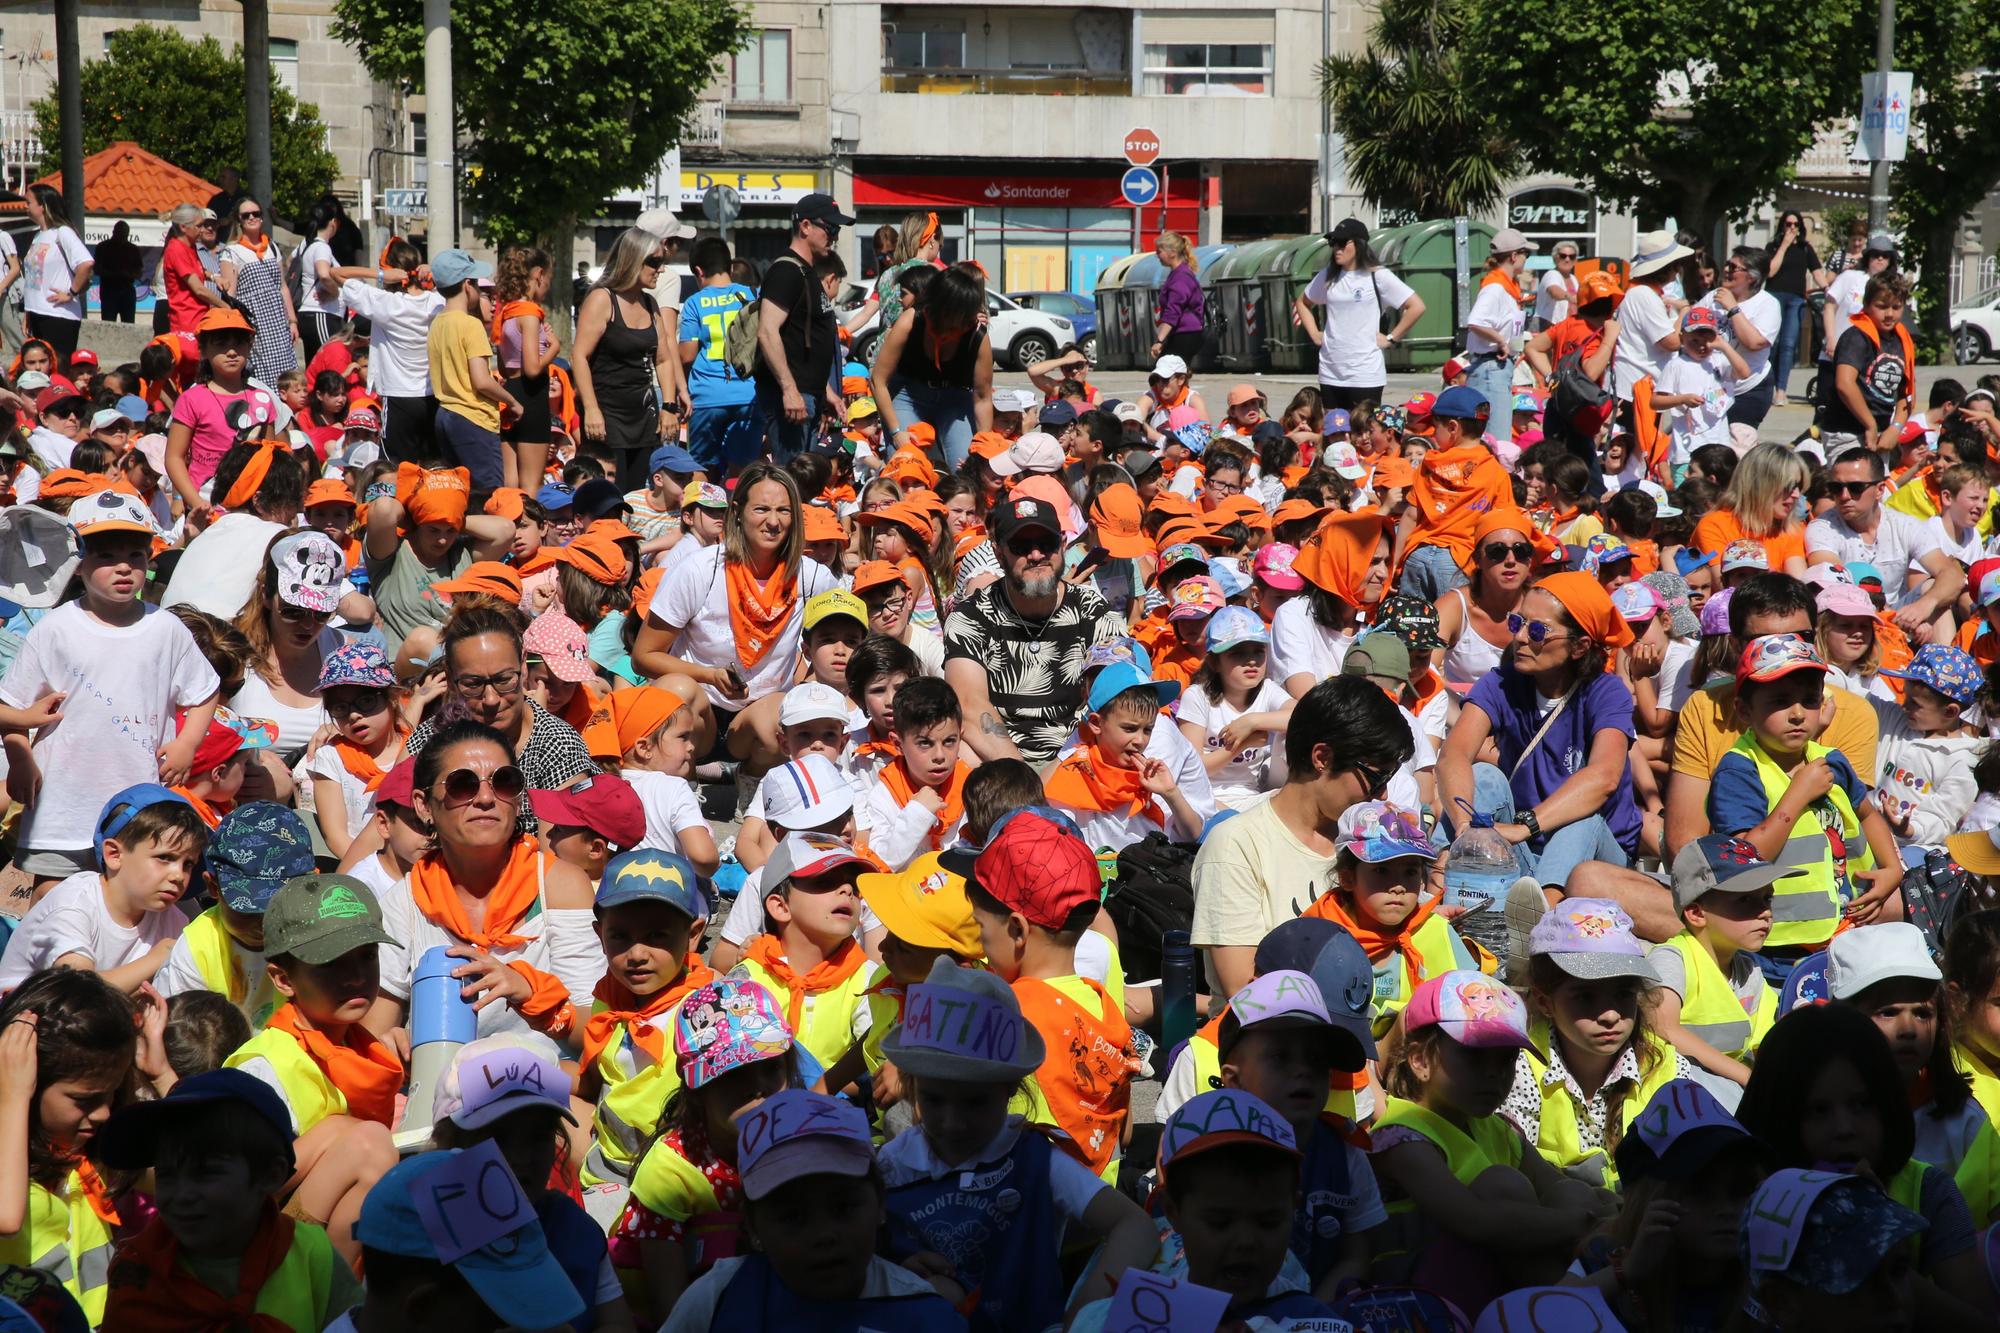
1177	980
441	1021
1481	868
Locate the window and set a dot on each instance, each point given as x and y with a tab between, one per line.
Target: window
926	44
1194	69
762	71
420	145
285	64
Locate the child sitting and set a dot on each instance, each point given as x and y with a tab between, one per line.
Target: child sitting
1928	751
649	737
813	719
220	763
1233	712
650	913
1713	1004
590	821
360	694
874	674
1963	496
834	624
218	1251
1111	787
122	922
256	849
1849	1266
806	795
917	801
203	1029
338	1081
402	835
808	956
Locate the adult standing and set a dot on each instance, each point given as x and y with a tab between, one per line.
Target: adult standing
1853	248
628	375
1015	651
58	269
399	313
796	333
1903	547
1179	320
253	271
1648	333
11	332
1358	294
936	366
118	272
320	311
1494	324
1345	740
189	292
288	624
1555	293
1794	273
1752	320
1761	504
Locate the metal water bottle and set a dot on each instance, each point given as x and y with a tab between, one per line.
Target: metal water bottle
1177	982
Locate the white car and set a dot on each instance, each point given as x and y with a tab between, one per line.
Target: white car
1020	336
1975	326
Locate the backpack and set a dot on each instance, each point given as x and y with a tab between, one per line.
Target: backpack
1578	400
1153	894
739	342
1935	894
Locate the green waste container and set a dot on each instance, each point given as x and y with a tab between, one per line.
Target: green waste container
1422	255
1287	270
1241	317
1121	341
1142	286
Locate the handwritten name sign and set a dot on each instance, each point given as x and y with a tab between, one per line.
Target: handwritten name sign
1679	1108
511	1068
1227	1111
1149	1303
469	1200
958	1022
793	1114
1276	993
1777	1218
1549	1310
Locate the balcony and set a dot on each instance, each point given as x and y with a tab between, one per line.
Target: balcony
20	148
704	126
1827	159
1021	82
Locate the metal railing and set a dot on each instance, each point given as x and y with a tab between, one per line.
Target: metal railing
1983	278
1023	82
1828	155
704	126
20	147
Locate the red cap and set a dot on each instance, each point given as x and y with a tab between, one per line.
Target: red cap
399	785
605	804
1037	865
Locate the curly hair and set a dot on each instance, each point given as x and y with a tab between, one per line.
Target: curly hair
515	272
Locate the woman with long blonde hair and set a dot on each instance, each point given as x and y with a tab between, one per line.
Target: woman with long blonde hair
626	361
1761	504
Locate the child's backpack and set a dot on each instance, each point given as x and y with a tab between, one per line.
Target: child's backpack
1153	894
1935	895
739	341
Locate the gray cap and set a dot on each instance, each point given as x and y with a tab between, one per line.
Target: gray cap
964	1024
1718	863
1883	242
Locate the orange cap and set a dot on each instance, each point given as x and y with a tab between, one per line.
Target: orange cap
1292	510
218	318
823	525
1114	517
1170	502
508	502
434	497
487	576
1597	285
647	588
1240	509
625	718
905	513
598	555
610	529
990	444
1177	530
328	491
874	574
921	433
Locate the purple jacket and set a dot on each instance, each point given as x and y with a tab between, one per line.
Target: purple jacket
1180	300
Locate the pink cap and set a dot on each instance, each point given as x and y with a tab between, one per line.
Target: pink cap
1273	564
1182	416
1472	1008
561	644
1846	599
1195	599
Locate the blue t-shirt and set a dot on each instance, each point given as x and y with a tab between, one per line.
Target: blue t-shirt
1736	799
1510	700
705	320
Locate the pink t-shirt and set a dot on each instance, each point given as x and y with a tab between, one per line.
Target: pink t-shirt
204	410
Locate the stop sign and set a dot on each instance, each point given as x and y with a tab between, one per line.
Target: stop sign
1142	147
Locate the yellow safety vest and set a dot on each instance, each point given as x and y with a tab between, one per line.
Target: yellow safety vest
311	1095
1907	1188
1560	1136
1978	1176
629	1106
1491	1140
673	1187
64	1237
1710	1008
826	1021
1207	1057
1912	497
1805	909
299	1290
1436	956
1985	1081
223	966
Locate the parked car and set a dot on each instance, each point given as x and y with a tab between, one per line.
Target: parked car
1020	336
1975	326
1078	309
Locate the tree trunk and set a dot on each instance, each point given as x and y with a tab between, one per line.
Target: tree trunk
1935	316
559	242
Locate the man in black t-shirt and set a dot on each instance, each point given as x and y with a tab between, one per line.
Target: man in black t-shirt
796	332
1872	367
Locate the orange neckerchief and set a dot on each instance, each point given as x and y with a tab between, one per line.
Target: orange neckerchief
888	747
210	815
367	1072
897	779
582	703
837	495
1426	688
96	1192
1168	404
767	953
1378	943
149	1288
1088	781
758	612
507	310
622	1006
363	765
259	247
511	902
1504	279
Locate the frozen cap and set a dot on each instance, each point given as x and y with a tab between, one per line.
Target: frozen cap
309	568
806	793
496	1076
1471	1008
1036	863
649	874
1857	959
1591	939
1637	602
813	702
964	1024
1949	670
725	1025
1744	555
796	1134
1229	576
1221	1119
1824	1231
1773	656
1376	831
1233	625
1717	863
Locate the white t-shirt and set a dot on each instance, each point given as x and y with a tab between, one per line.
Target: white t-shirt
179	974
218	570
1765	315
1676	679
1965	549
296	724
1705	422
1494	308
670	804
51	448
695	596
1552	297
399	363
1643	320
355	797
72	918
310	258
1844	292
123	684
1348	353
53	258
1300	643
1250	772
1901	541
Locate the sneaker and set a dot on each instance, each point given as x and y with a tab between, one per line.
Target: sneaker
1526	905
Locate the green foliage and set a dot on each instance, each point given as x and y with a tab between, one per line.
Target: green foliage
183	101
1689	108
1416	138
560	102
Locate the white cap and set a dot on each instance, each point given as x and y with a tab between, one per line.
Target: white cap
806	793
1345	461
1167	366
362	453
32	381
1037	451
1663	505
662	222
1128	411
1014	400
812	702
152	448
1857	959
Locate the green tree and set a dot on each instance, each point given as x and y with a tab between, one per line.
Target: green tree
1416	139
183	101
560	102
1694	109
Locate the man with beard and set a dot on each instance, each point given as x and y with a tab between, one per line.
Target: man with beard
1015	652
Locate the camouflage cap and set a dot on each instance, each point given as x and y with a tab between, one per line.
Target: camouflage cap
318	918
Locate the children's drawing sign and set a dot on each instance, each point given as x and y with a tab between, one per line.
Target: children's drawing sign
470	1200
945	1018
1679	1108
1549	1310
1777	1218
1149	1303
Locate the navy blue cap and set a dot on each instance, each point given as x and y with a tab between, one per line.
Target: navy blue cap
1291	946
671	458
1346	981
1060	413
1462	403
597	498
651	875
1267	430
254	850
130	1139
118	811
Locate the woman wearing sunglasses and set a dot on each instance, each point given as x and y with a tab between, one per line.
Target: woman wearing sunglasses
1345	565
1473	621
518	917
1562	791
287	622
253	271
1762	503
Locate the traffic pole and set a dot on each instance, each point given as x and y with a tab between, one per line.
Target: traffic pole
441	128
1878	170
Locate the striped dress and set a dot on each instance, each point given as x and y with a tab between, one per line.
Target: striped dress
260	286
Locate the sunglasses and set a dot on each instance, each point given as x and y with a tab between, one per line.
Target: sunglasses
1850	487
299	615
1374	782
1499	552
1733	267
463	784
1539	631
362	701
249	213
654	262
1026	545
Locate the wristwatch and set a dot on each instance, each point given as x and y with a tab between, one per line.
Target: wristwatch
1395	340
1531	823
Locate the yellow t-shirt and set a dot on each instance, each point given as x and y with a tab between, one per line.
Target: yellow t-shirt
1707	729
456	338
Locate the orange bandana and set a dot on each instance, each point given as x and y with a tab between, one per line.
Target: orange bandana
259	247
364	765
514	899
210	815
758	612
367	1073
1378	943
515	310
837	495
149	1289
896	778
96	1192
255	469
1088	781
622	1006
1500	277
767	953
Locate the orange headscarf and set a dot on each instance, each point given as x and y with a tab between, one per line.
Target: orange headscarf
439	496
622	1006
767	953
1087	780
367	1072
1510	519
149	1289
1589	606
255	469
626	717
1337	556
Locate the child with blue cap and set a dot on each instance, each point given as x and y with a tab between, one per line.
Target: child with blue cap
1928	749
1113	788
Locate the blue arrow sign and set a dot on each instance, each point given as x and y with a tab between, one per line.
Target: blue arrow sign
1140	185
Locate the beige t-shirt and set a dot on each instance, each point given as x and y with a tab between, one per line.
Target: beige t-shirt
1707	728
1251	874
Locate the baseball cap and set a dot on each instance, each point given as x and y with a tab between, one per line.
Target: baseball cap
1378	653
254	850
493	1077
1337	421
809	856
1471	1008
329	491
1699	317
1978	852
597	497
1114	680
924	905
649	874
109	416
1663	504
555	495
1857	959
1603	549
451	267
1341	970
1194	435
1806	986
1182	553
1717	863
1273	565
1591	939
625	717
1844	599
1128	411
964	1024
1461	403
1037	451
1715	612
836	602
32	381
861	409
1863	573
129	1140
1221	1119
876	574
1035	863
706	495
487	576
1227	571
1679	1132
513	1273
1274	1001
1569	1308
1376	831
805	793
1244	393
1949	670
362	418
152	448
1166	367
796	1134
113	511
1345	461
1233	625
1195	598
1824	1231
1988	591
1293	944
561	644
604	803
1057	415
1637	602
820	208
309	567
725	1025
1411	619
1744	555
1017	515
1774	655
1524	401
671	458
1508	239
1111	652
119	810
821	525
227	733
811	701
318	918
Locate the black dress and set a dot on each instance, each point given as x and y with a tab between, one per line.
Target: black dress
621	375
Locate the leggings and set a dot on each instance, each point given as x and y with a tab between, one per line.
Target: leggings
1347	397
57	331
